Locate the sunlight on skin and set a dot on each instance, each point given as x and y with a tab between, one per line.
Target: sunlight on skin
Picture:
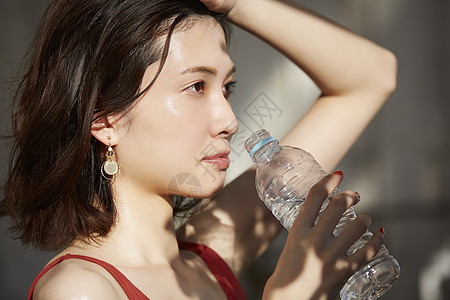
312	280
317	264
260	227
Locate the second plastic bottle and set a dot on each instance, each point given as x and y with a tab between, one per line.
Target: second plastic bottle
284	175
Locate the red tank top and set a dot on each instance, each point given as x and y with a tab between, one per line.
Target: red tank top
215	263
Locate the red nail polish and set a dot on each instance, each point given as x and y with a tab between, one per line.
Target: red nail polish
381	229
338	172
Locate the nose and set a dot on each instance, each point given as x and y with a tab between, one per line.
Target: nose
224	123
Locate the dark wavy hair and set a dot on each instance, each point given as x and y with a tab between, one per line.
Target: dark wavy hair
86	62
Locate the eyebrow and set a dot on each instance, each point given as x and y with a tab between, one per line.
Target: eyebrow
206	70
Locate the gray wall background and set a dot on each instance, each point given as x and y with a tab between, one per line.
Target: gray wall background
400	165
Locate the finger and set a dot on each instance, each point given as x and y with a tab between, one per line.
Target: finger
316	195
334	211
210	4
354	236
219	6
366	253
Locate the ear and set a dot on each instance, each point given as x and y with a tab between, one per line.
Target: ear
101	129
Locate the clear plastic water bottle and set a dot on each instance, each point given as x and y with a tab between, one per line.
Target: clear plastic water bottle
284	175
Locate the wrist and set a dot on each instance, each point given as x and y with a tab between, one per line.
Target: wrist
240	11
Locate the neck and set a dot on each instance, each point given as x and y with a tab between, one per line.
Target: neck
144	231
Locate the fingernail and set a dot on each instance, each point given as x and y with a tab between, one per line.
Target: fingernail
358	195
338	172
381	229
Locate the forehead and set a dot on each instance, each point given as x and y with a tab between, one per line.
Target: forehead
200	39
200	42
205	22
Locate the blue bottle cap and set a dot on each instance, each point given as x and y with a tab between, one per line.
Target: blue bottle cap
261	144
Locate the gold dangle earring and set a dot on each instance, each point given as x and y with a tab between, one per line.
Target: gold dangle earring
110	167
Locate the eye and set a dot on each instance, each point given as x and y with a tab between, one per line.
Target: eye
198	87
228	88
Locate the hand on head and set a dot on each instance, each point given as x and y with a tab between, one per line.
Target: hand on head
221	6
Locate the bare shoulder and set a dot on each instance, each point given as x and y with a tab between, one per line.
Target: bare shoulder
77	279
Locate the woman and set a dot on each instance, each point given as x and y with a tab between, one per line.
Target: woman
120	100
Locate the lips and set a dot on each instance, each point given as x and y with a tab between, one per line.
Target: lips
220	160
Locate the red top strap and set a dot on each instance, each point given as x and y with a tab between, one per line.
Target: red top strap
215	263
130	289
220	269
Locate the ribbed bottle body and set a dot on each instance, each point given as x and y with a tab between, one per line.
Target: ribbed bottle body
284	176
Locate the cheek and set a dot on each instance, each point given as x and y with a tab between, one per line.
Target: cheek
166	143
163	139
184	127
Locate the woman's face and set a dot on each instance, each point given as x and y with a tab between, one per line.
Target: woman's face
175	140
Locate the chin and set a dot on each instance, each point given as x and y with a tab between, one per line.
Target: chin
206	191
210	193
193	186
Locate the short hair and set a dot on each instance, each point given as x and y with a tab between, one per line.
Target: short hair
86	62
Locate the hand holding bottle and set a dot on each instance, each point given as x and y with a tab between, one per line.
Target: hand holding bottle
285	177
314	263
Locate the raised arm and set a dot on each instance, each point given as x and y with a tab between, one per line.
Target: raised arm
355	75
